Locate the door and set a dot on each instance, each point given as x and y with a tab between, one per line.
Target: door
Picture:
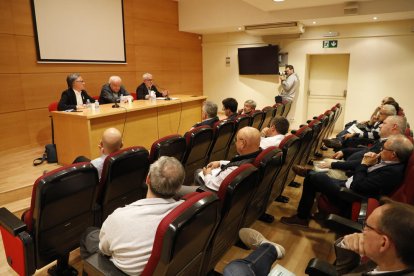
328	81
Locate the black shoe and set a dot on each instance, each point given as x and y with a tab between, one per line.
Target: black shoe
332	143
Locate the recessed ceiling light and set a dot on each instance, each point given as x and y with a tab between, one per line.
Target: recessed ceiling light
278	0
314	22
239	28
375	18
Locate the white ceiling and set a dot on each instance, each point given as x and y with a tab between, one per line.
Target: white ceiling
217	16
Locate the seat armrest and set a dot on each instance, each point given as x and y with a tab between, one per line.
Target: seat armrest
98	264
317	267
11	223
351	196
342	225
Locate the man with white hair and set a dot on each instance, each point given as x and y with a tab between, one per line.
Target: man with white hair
144	89
112	91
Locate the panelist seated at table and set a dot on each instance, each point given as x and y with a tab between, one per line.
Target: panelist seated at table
75	97
143	90
112	91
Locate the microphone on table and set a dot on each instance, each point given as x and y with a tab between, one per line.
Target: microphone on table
167	98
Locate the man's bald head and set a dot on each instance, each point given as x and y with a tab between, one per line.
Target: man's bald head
111	140
248	140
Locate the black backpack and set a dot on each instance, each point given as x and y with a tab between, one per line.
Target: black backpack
50	155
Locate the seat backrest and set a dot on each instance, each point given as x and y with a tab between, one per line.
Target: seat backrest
134	95
198	144
290	147
53	106
316	127
60	210
235	192
268	116
324	123
269	162
183	235
405	192
240	122
223	132
257	119
123	180
172	145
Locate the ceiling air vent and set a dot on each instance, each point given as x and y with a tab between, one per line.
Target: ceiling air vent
351	8
283	28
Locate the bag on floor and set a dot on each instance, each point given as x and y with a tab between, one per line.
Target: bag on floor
49	155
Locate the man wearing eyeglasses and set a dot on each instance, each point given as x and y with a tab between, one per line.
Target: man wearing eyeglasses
378	174
386	240
147	87
75	97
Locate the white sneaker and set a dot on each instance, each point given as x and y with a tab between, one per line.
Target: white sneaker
253	239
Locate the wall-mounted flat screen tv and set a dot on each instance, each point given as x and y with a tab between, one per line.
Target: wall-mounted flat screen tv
259	60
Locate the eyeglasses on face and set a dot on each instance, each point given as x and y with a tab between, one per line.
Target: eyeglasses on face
366	226
82	81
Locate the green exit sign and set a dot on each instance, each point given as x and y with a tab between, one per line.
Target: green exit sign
330	44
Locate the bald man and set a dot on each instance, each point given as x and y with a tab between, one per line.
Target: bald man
110	143
210	177
113	90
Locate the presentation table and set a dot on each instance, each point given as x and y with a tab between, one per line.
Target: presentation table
141	123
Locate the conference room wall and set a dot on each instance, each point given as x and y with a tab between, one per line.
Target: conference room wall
381	64
153	44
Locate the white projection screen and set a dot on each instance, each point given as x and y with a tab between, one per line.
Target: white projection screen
81	31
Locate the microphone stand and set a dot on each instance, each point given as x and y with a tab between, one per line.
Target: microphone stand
116	105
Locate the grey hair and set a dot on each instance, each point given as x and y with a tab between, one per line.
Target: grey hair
251	103
402	146
389	109
114	79
166	176
71	78
210	109
147	76
400	121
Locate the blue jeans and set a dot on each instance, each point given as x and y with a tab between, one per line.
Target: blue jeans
258	263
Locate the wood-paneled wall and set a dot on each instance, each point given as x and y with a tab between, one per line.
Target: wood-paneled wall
153	44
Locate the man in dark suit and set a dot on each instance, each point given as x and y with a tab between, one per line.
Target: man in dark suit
378	174
208	115
144	89
75	97
113	91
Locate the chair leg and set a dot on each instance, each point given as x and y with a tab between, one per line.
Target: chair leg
62	268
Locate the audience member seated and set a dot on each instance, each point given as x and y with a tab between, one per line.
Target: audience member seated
208	115
260	261
392	125
127	235
230	108
386	241
112	91
371	132
145	88
210	177
273	135
378	174
111	142
249	107
75	97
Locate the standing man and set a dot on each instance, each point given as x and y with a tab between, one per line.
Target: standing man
112	91
289	84
143	90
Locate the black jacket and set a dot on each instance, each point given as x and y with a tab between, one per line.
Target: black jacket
68	99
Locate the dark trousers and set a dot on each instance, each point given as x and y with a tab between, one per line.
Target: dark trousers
81	159
319	182
258	263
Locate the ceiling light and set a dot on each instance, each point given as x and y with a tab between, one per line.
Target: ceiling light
239	28
375	18
314	22
278	0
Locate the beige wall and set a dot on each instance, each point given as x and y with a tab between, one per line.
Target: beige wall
153	44
381	64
